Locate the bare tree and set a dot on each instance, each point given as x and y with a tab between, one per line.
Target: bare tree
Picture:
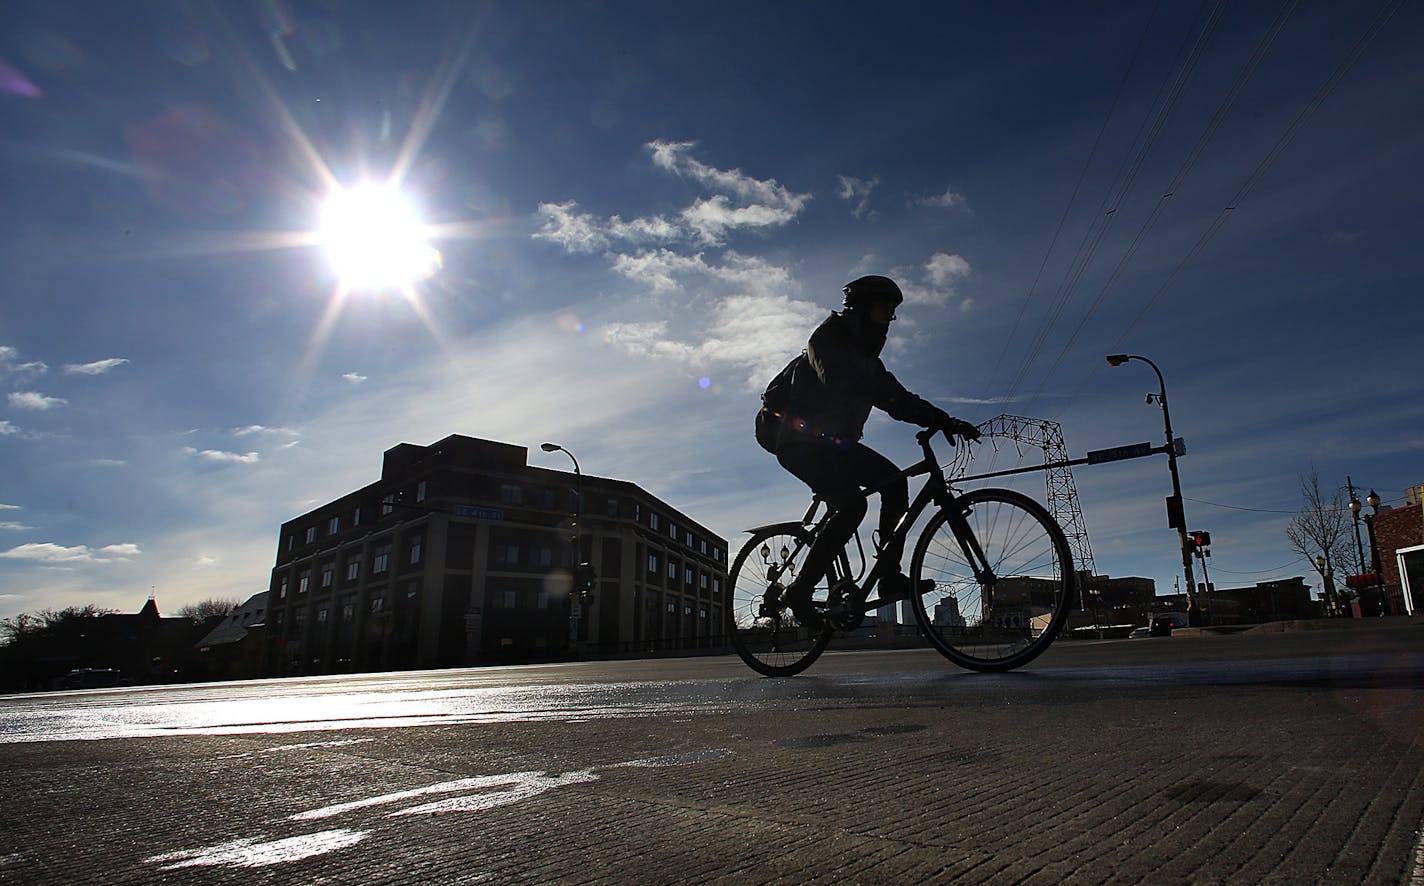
1322	529
206	609
28	626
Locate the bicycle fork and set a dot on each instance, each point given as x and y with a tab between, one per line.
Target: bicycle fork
974	556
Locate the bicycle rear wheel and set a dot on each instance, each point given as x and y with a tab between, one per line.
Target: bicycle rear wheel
765	633
1008	621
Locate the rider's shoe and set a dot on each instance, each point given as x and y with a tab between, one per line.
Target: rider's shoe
897	587
798	600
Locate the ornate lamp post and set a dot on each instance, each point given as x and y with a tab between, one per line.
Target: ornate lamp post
1374	502
1175	511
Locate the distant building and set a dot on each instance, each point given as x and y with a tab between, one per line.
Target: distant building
1399	532
461	554
1287	599
233	649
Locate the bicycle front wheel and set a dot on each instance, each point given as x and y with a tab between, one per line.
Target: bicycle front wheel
1002	617
764	632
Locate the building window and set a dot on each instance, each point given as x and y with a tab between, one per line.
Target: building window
311	534
303	581
387	505
653	563
299	620
511	494
702	546
652	521
672	608
321	615
672	530
717	586
291	540
672	569
415	550
348	610
382	559
328	572
717	554
511	599
612	509
356	517
353	569
546	557
333	526
378	603
506	553
550	500
282	588
702	581
701	612
420	491
687	577
687	540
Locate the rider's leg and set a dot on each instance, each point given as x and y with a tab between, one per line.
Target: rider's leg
831	473
874	471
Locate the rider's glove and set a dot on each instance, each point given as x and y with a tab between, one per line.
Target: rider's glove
955	427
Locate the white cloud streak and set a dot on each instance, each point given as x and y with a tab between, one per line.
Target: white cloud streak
948	200
49	553
98	367
857	189
222	457
35	400
353	378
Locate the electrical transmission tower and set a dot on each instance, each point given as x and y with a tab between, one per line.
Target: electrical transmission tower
1062	492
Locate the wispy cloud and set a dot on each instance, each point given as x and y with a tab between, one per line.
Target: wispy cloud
12	525
35	400
255	430
8	428
857	189
353	378
676	157
223	457
948	200
50	553
98	367
10	508
107	462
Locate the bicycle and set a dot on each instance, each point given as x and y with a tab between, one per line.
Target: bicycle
991	580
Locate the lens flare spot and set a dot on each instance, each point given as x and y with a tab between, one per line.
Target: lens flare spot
704	382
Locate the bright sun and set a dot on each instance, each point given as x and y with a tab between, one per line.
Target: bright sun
375	239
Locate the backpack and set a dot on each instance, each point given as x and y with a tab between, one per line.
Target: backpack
774	401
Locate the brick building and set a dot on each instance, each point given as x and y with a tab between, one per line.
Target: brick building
462	554
1399	532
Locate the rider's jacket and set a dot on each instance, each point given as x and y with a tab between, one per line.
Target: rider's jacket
835	383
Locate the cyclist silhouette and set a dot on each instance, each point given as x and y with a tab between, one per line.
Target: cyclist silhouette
813	416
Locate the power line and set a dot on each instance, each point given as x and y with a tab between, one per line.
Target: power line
1073	198
1382	17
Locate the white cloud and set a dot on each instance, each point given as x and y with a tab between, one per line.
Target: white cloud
252	430
48	552
948	200
10	508
32	368
710	219
943	269
107	462
857	189
676	157
354	378
98	367
35	400
12	525
8	353
218	455
576	231
8	428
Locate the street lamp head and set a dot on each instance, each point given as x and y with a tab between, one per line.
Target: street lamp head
1374	500
1117	359
1320	563
550	447
1354	505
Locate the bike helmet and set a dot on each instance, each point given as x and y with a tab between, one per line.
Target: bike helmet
871	289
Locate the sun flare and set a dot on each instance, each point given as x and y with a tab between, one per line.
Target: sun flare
375	239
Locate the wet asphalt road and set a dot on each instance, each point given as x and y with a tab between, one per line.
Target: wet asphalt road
1246	758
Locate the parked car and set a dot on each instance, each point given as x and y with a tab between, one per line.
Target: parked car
92	678
1139	633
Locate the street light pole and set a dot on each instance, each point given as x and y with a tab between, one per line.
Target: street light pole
578	534
1176	512
1374	502
1355	512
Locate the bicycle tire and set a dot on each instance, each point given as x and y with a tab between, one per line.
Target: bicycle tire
1013	621
764	632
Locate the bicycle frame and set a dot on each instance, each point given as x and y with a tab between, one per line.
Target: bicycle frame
935	489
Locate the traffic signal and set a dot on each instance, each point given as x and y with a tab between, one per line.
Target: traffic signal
1201	539
585	580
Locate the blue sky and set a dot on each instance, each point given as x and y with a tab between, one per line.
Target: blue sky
642	210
